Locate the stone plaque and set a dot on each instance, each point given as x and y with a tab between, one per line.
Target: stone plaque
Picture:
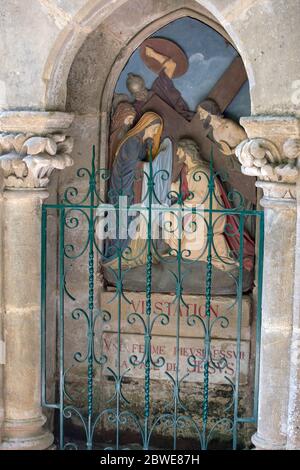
165	347
164	304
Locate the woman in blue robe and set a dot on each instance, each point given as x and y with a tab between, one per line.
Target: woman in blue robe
133	149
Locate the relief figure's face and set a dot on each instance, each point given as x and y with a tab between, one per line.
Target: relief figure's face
202	113
180	154
189	160
136	86
129	120
215	121
151	131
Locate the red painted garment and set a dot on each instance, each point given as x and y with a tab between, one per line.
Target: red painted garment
234	240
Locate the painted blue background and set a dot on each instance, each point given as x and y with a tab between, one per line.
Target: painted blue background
209	56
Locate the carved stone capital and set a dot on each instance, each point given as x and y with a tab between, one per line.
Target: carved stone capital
32	146
277	194
272	149
37	122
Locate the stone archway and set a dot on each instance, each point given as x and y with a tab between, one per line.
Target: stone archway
127	51
259	51
89	18
266	129
118	65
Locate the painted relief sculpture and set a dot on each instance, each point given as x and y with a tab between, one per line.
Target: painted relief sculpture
132	149
166	59
122	120
138	91
227	133
180	172
195	177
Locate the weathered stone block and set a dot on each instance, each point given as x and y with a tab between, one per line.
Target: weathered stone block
223	310
191	354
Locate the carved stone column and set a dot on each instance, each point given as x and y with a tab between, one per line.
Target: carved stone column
32	146
2	344
271	154
293	432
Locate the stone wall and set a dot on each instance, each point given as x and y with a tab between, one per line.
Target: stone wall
83	46
63	26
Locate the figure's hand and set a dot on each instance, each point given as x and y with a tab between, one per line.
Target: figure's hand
149	51
225	148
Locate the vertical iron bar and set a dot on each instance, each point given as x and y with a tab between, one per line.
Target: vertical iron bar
147	339
148	304
43	303
120	290
208	302
238	339
178	294
119	342
91	306
259	311
61	326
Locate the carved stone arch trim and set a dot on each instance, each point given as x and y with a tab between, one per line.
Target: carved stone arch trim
106	99
87	20
137	40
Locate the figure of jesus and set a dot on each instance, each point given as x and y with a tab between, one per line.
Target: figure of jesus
194	225
227	133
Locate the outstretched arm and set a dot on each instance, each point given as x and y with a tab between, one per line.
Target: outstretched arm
168	64
156	55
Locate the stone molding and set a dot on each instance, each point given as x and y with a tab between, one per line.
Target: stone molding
37	122
32	146
262	444
262	158
271	153
277	193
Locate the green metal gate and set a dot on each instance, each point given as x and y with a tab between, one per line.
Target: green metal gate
107	421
